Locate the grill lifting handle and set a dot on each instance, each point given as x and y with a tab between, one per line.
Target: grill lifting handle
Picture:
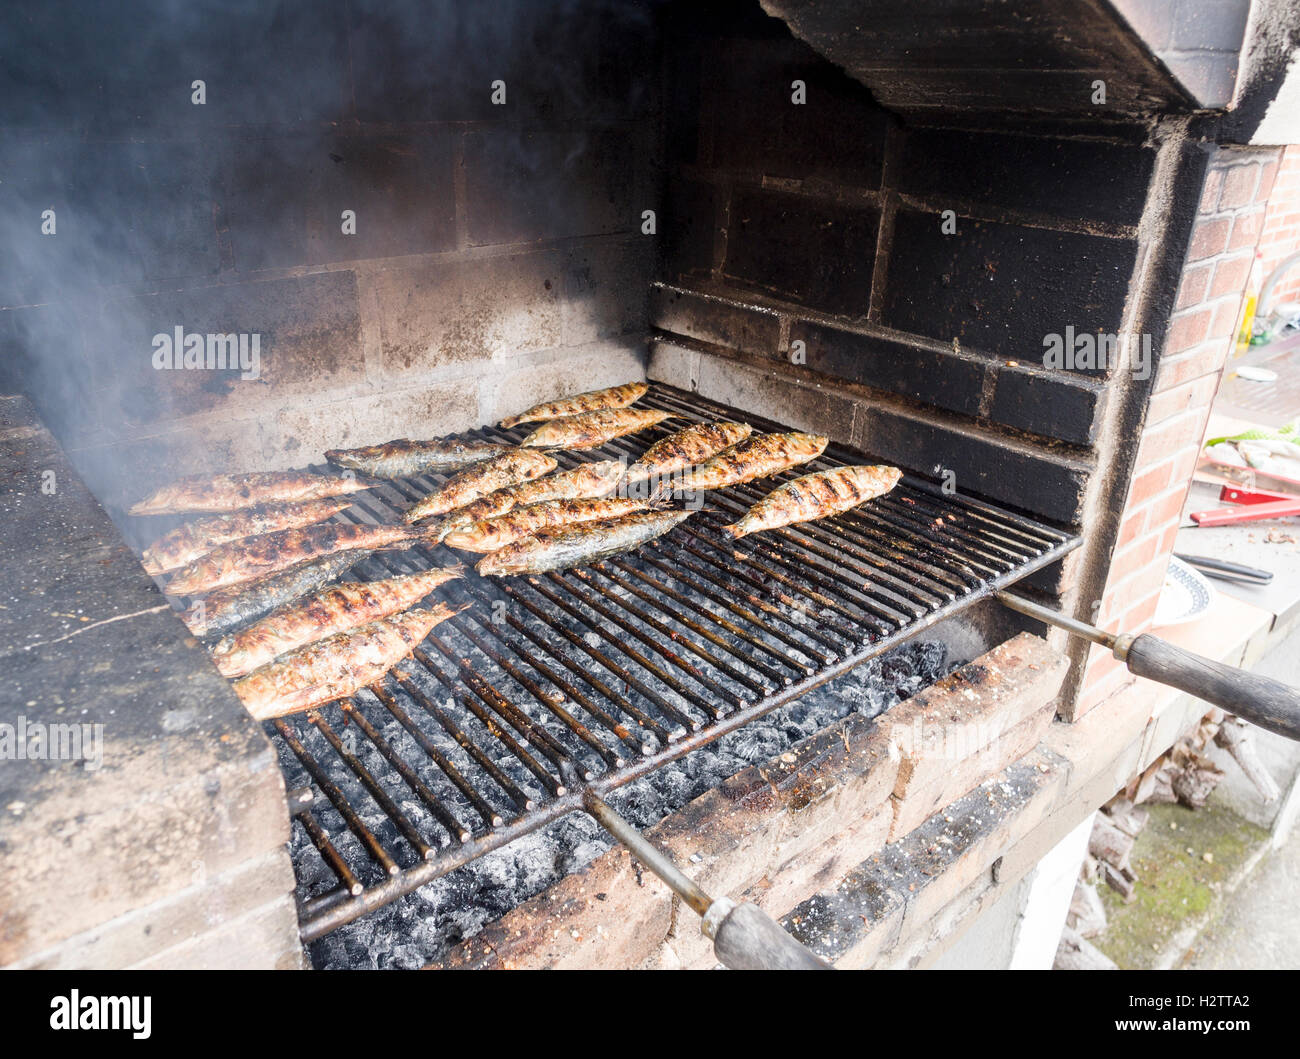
744	937
1261	700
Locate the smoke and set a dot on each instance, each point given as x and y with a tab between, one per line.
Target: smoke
184	163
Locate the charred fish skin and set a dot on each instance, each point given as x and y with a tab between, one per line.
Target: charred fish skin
588	430
499	472
338	665
230	608
332	610
244	560
755	457
587	542
687	447
588	481
816	496
487	535
591	401
234	492
195	539
403	458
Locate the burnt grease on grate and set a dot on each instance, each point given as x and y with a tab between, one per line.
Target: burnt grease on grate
604	674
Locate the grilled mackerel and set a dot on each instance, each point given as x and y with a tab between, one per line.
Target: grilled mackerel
188	542
590	429
233	492
755	457
244	560
230	608
687	447
487	535
587	542
403	458
332	610
816	496
500	472
591	401
338	665
585	482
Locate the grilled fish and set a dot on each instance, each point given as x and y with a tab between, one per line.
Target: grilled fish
231	607
500	472
487	535
591	401
687	447
188	542
232	492
403	458
587	542
589	480
338	665
329	611
246	559
816	496
590	429
755	457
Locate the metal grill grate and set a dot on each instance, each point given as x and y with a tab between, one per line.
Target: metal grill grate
596	676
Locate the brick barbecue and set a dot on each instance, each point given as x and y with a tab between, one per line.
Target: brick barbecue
872	220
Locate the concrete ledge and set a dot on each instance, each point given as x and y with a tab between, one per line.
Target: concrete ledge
174	791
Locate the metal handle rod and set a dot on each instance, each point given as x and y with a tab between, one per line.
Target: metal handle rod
1261	700
744	937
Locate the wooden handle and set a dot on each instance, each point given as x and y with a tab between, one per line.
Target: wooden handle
1261	700
748	939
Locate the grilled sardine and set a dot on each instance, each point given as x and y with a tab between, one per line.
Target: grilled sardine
487	535
590	429
338	665
687	447
331	610
500	472
246	559
816	496
230	608
587	542
589	480
233	492
755	457
403	458
186	543
591	401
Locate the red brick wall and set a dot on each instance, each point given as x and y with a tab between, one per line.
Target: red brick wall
1281	236
1201	329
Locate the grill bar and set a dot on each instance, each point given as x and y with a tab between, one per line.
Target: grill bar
585	680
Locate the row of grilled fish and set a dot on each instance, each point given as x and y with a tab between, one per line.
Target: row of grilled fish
297	655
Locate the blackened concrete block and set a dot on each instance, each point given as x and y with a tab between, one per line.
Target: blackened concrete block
284	197
934	377
817	253
604	289
1048	404
455	312
756	125
1000	288
688	227
714	319
309	330
1075	179
1048	485
525	184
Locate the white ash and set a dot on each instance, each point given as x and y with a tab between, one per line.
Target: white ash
424	925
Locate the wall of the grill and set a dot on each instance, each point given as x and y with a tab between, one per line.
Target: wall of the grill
821	223
497	255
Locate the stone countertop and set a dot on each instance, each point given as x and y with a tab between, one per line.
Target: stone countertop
179	783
